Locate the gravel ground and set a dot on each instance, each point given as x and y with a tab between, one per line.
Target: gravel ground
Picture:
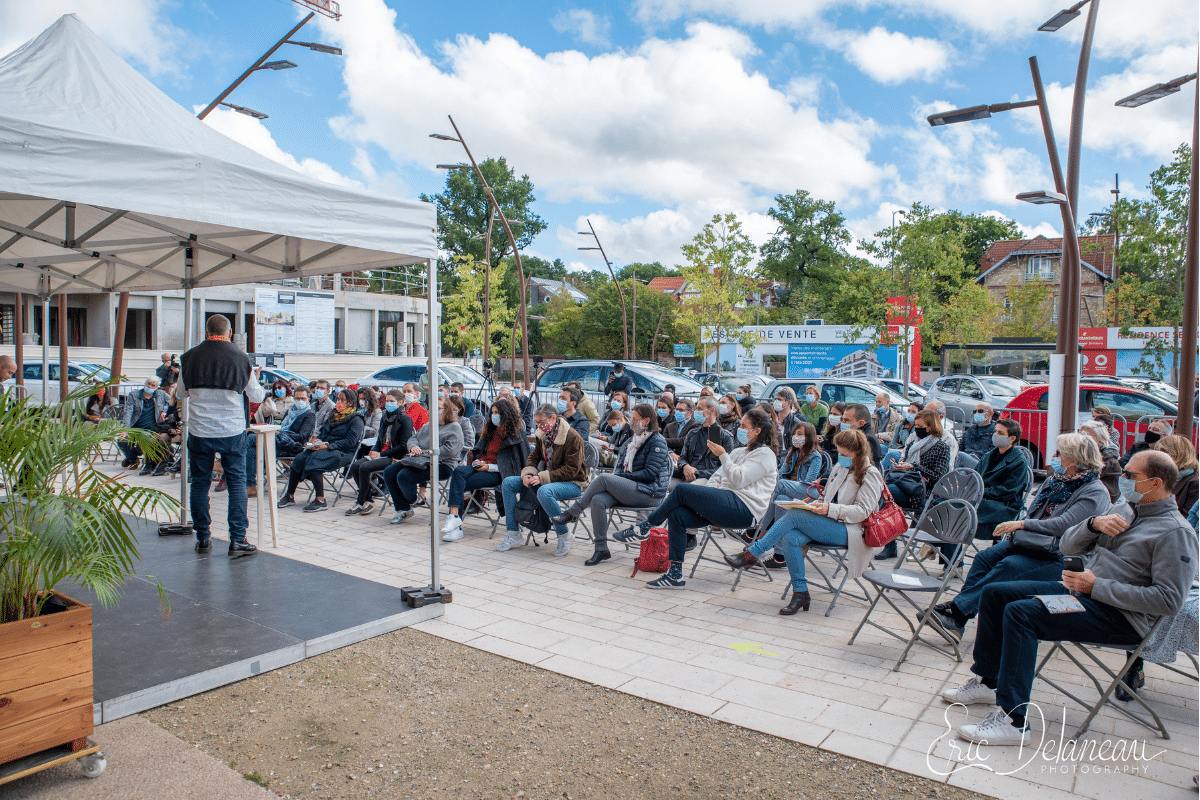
408	715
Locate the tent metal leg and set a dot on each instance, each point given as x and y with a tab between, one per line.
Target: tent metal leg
46	344
183	428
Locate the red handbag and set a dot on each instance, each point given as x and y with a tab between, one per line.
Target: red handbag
885	524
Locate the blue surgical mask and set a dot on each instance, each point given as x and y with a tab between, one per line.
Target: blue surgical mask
148	392
845	426
980	417
909	416
301	405
812	398
680	416
845	462
615	405
319	394
390	406
698	415
1127	488
560	405
517	392
662	413
1056	465
1183	473
743	436
496	419
616	426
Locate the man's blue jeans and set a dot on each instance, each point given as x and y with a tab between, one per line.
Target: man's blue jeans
201	454
128	450
999	564
1012	622
791	533
549	495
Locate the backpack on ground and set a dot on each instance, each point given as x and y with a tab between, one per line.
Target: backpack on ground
529	513
653	557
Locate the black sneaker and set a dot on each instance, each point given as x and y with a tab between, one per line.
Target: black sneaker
671	579
147	468
285	501
774	562
204	546
316	505
691	542
638	532
242	548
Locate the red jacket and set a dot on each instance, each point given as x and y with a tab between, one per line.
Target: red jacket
419	416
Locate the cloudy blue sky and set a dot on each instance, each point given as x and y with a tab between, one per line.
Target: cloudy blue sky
649	116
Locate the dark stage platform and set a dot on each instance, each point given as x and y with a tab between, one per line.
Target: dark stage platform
230	618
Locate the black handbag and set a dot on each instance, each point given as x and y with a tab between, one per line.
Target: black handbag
1041	546
415	462
910	483
529	513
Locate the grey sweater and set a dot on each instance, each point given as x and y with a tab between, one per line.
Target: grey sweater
1145	571
450	443
1089	500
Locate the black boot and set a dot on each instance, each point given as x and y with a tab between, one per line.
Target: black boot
800	601
597	557
1135	679
566	517
741	560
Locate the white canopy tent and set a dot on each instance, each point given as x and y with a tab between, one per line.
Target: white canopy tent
107	185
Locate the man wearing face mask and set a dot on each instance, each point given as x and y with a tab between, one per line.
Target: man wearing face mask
524	404
1158	429
586	407
885	419
568	408
619	381
784	406
416	412
220	382
858	418
1140	565
977	437
142	411
696	458
320	403
682	421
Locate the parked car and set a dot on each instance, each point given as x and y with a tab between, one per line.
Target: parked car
963	392
1163	391
1133	411
912	390
77	371
269	375
728	382
833	390
648	377
395	377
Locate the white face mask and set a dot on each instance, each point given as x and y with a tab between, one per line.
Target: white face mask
797	442
724	409
410	398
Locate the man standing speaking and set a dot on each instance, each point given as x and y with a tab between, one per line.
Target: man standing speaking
220	382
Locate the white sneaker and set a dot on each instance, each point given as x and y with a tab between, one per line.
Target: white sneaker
511	540
564	544
453	521
971	693
995	728
453	535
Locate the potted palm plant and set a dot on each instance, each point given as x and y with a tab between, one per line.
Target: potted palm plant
63	521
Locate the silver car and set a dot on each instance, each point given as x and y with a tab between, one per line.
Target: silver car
961	393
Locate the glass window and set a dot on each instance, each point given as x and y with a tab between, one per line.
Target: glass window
998	387
403	374
969	388
1127	404
74	373
33	372
553	377
645	385
948	385
831	393
588	377
1039	268
857	394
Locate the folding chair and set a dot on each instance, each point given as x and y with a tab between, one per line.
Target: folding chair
712	535
950	522
379	488
472	504
1110	684
838	554
958	484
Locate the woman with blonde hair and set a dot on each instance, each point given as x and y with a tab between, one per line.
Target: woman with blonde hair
1187	489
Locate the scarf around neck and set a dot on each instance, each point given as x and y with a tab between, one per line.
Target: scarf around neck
338	417
637	441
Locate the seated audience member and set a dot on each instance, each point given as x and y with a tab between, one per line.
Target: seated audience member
412	406
696	461
664	410
275	405
903	432
857	417
99	404
567	406
977	437
334	447
499	453
831	426
142	410
167	430
685	421
1186	489
1110	474
801	467
372	413
395	430
296	428
855	486
734	497
321	402
1157	430
707	391
457	389
816	412
402	480
785	407
1005	476
619	401
555	469
587	407
1073	493
676	419
745	397
1140	567
464	422
641	478
949	435
927	455
1105	415
885	419
729	413
525	402
617	433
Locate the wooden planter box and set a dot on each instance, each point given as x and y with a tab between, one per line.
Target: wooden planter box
46	681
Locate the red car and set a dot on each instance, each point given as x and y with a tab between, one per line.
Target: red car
1133	411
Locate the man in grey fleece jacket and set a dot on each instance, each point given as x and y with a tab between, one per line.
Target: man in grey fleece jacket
1141	565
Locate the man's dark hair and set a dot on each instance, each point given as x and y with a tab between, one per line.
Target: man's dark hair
458	385
574	394
861	412
688	403
217	325
1160	465
1011	425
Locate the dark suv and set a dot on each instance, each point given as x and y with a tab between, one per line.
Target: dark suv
648	377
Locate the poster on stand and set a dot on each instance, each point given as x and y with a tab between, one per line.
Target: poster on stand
293	321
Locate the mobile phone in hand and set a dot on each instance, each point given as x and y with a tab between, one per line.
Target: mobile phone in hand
1073	563
714	433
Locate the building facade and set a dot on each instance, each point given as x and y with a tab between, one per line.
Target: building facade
1015	262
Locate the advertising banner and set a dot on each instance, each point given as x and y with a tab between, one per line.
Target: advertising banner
293	321
813	351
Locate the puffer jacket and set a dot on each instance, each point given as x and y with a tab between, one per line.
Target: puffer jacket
511	456
652	466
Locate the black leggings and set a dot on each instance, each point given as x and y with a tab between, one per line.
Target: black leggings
299	473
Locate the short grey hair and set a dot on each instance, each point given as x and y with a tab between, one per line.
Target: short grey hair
152	381
1168	428
545	411
937	406
1098	430
1081	449
787	393
706	402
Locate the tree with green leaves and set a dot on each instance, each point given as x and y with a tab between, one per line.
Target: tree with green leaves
462	311
719	279
808	249
645	272
1030	312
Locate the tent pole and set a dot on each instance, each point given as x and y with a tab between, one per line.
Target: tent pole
45	341
64	379
189	269
118	355
19	339
434	465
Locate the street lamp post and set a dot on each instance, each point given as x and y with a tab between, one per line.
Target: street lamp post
261	63
591	231
1191	284
900	373
487	285
512	241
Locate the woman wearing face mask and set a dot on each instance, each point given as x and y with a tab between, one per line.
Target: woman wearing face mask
275	405
1072	494
745	397
855	486
664	411
1186	489
395	429
98	405
500	451
734	497
333	448
1110	475
641	476
926	460
800	470
368	406
816	412
832	424
729	414
402	481
618	433
904	429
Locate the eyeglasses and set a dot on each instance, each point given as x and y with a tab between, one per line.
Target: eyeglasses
1127	474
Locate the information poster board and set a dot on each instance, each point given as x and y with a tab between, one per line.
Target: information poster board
293	321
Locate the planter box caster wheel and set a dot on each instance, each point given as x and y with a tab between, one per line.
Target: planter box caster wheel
93	766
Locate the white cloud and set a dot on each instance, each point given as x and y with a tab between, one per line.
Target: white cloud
134	29
584	25
891	57
253	134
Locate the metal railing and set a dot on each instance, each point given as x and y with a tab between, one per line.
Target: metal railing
411	280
